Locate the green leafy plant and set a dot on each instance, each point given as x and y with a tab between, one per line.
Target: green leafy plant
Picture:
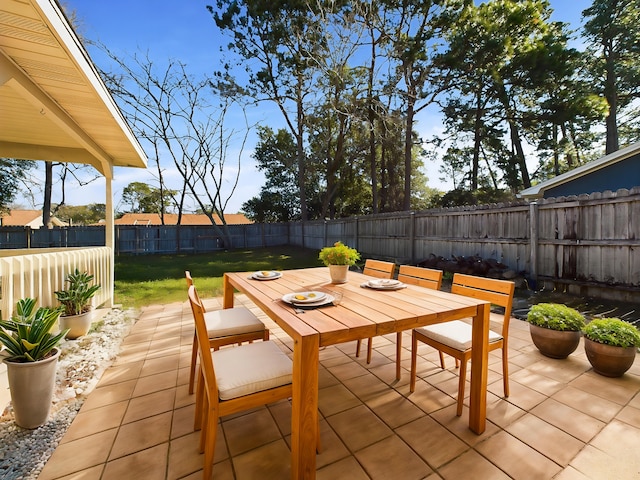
26	336
339	254
612	331
76	298
556	316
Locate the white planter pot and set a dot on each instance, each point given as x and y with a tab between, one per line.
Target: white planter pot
31	386
78	325
338	273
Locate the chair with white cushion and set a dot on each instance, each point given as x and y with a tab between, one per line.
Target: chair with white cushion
234	379
454	337
378	269
225	327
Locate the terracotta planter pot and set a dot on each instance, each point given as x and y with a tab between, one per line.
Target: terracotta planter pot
554	343
31	386
608	360
338	273
78	325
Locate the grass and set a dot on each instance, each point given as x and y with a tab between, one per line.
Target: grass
159	279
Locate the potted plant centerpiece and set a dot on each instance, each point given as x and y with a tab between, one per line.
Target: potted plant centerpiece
339	258
31	359
76	300
555	329
610	345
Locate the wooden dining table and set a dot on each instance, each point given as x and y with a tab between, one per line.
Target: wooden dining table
357	312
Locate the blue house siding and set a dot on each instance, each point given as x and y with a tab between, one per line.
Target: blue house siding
622	174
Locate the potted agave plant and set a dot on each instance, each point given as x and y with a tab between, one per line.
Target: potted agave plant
339	258
76	300
555	329
31	357
610	345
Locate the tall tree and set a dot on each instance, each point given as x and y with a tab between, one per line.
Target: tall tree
613	26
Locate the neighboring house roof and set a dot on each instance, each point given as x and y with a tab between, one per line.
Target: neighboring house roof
620	169
187	219
27	218
54	104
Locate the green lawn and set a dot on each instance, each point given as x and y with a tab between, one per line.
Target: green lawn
158	279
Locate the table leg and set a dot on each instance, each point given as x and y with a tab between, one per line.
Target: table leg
304	412
479	370
227	292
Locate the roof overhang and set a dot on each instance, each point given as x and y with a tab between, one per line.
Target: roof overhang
538	191
53	104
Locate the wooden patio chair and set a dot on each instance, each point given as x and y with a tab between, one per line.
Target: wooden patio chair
225	327
378	269
233	380
423	277
454	338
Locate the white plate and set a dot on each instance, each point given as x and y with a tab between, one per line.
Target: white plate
325	301
304	298
384	284
266	275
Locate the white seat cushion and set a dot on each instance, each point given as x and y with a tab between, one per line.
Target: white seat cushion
455	334
231	321
250	368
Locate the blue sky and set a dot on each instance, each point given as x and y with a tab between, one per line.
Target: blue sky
185	31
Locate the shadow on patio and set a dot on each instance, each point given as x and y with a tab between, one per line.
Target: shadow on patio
562	420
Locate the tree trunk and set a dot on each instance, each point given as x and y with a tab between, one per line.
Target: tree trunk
611	95
46	205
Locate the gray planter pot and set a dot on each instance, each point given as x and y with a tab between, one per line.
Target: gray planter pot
31	385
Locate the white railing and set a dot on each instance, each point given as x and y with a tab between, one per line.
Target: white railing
38	273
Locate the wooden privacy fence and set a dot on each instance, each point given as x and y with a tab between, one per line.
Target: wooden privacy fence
581	243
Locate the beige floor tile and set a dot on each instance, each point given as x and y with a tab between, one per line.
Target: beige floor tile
250	431
552	442
392	458
150	464
136	436
332	448
427	398
93	473
183	421
185	457
366	387
121	373
270	461
160	364
150	405
109	394
524	397
471	465
155	383
79	455
348	370
96	420
434	443
358	427
578	424
345	468
394	409
595	464
630	415
539	383
517	459
336	398
619	390
620	441
502	412
570	473
459	426
586	402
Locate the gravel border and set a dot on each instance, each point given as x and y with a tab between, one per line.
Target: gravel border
23	452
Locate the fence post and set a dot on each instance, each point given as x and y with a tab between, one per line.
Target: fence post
533	243
324	240
412	237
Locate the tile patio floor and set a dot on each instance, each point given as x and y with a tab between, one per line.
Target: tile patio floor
561	421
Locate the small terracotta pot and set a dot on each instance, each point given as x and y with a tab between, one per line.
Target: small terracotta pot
554	343
608	360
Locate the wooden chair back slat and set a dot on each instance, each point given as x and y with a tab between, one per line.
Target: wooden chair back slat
424	277
379	268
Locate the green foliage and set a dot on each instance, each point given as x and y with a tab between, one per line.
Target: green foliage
26	336
76	298
81	214
612	331
555	316
12	172
144	198
339	254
